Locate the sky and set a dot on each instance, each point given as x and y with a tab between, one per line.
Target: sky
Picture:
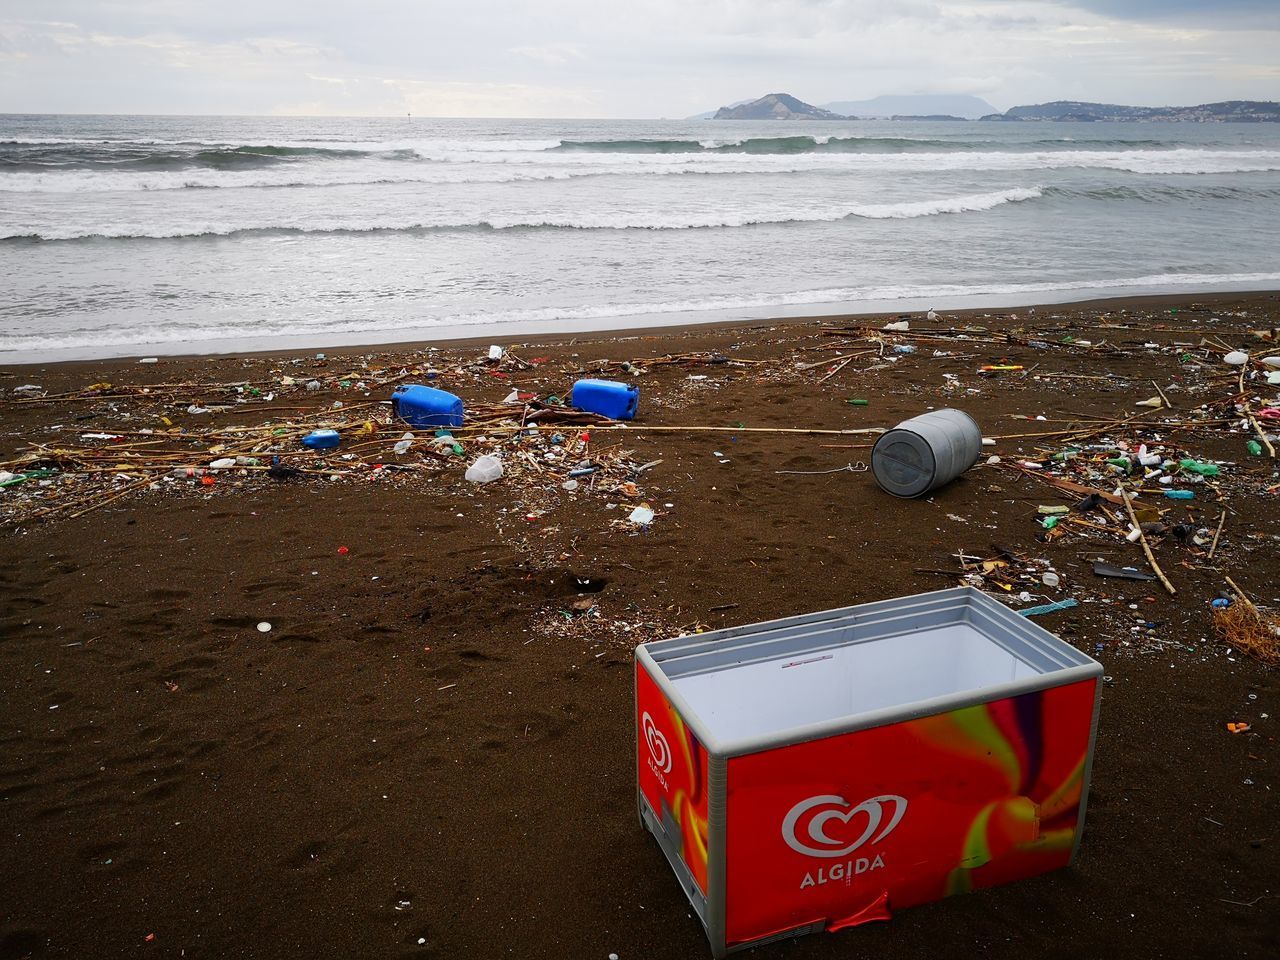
625	58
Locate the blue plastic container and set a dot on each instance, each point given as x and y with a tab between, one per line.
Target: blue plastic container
321	439
421	406
617	401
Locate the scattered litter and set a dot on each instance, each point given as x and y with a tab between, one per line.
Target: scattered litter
485	470
641	515
1123	573
1049	607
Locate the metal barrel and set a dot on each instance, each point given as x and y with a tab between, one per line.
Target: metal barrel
923	453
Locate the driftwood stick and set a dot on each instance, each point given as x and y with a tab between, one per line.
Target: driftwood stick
627	428
1161	392
836	369
102	503
1217	533
1243	596
1146	547
1271	451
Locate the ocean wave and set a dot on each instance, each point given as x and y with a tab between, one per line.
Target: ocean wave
836	144
665	220
252	170
146	158
180	337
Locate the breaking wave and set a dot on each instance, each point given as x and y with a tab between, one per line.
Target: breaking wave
655	221
49	165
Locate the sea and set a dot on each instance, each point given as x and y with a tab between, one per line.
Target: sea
126	236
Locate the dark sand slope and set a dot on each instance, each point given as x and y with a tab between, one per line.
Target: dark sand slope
425	749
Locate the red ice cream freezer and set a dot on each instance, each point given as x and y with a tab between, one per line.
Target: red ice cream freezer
820	771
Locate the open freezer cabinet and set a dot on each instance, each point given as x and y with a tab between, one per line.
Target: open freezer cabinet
817	772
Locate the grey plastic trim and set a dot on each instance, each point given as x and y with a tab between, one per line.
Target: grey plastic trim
667	660
672	853
717	846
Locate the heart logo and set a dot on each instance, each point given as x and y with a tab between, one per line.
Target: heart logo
804	827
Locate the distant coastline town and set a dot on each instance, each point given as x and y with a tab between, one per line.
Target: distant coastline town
783	106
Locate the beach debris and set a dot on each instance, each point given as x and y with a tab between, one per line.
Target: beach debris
642	515
1049	607
608	398
1247	628
485	469
897	326
1236	358
1125	573
421	406
322	440
1239	727
264	627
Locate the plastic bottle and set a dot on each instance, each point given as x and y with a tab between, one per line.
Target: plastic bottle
1254	448
1180	494
485	470
223	463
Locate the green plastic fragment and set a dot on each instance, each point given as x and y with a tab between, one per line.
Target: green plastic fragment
1203	469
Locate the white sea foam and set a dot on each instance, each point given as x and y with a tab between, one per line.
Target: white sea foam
448	162
656	219
179	336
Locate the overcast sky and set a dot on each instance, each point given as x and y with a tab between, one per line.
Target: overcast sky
619	58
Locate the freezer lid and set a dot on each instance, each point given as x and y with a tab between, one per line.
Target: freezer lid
873	660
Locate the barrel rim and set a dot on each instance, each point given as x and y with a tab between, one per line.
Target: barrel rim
933	475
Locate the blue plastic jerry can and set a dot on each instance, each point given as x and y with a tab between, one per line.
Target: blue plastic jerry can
421	406
617	401
321	439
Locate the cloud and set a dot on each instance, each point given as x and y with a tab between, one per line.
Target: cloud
552	54
580	58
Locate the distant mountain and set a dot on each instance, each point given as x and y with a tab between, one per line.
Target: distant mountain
1227	111
775	106
913	106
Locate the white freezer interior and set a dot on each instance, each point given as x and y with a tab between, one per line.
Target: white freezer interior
749	699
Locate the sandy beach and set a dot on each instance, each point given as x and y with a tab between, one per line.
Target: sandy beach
431	751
